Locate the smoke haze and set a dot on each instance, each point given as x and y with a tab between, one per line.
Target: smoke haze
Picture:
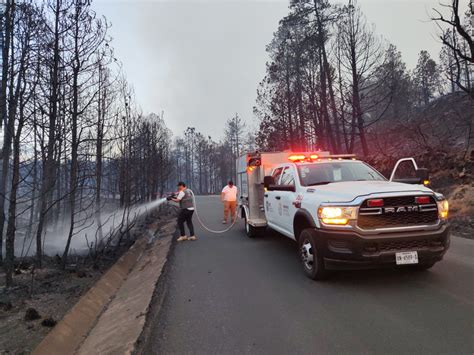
201	61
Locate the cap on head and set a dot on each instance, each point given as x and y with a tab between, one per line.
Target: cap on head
181	184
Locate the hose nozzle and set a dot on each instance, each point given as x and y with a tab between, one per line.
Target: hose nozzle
170	197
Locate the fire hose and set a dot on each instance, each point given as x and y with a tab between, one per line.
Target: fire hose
234	219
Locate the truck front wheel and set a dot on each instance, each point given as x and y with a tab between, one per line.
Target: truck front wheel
311	258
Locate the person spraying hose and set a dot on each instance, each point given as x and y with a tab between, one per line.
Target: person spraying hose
186	210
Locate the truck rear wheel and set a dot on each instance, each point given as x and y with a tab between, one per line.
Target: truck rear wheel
311	258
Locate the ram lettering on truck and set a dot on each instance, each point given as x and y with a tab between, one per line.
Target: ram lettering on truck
342	212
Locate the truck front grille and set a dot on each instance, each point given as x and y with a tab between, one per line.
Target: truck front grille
406	213
404	245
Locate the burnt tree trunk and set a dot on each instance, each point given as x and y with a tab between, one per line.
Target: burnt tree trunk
7	126
48	182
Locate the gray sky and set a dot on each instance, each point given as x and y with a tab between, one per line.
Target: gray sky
201	61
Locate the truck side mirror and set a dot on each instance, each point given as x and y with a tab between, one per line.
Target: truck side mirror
267	181
423	175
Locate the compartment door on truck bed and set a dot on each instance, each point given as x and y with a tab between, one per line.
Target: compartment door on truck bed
272	199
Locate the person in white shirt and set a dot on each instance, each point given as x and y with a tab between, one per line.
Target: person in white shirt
229	198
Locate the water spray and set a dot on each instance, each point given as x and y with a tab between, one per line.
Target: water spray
110	223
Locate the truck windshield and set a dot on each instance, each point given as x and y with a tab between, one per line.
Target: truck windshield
329	172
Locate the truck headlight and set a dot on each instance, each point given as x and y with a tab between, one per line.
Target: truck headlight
337	215
443	208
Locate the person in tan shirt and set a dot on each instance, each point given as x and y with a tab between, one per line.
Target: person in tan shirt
229	198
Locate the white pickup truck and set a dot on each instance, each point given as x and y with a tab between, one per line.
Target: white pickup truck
342	212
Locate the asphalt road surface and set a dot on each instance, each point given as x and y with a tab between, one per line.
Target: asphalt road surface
228	294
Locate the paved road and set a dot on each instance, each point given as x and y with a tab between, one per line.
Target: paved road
230	294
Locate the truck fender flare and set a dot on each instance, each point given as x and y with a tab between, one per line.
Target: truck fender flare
302	220
244	211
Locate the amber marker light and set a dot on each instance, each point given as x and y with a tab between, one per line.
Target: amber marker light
443	209
337	221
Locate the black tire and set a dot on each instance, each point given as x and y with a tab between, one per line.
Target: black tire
423	267
311	257
251	231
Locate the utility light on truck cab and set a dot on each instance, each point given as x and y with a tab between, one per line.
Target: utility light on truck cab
254	162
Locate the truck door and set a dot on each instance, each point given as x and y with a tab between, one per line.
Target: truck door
288	209
406	170
272	199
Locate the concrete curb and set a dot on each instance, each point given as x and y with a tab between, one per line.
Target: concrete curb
142	346
110	317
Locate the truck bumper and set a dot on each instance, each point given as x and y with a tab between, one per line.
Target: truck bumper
350	250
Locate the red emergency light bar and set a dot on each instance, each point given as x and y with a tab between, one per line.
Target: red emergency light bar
297	157
322	155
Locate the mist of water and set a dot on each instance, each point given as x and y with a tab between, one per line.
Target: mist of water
86	230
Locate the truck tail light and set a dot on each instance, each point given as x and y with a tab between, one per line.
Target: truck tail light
375	203
422	200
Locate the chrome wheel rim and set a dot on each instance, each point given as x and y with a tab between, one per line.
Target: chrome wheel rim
307	255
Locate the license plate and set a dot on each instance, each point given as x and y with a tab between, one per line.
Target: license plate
407	257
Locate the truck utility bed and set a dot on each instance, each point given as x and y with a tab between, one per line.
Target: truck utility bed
251	170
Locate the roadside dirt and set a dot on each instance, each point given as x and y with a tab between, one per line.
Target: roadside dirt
461	206
454	178
49	293
40	298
